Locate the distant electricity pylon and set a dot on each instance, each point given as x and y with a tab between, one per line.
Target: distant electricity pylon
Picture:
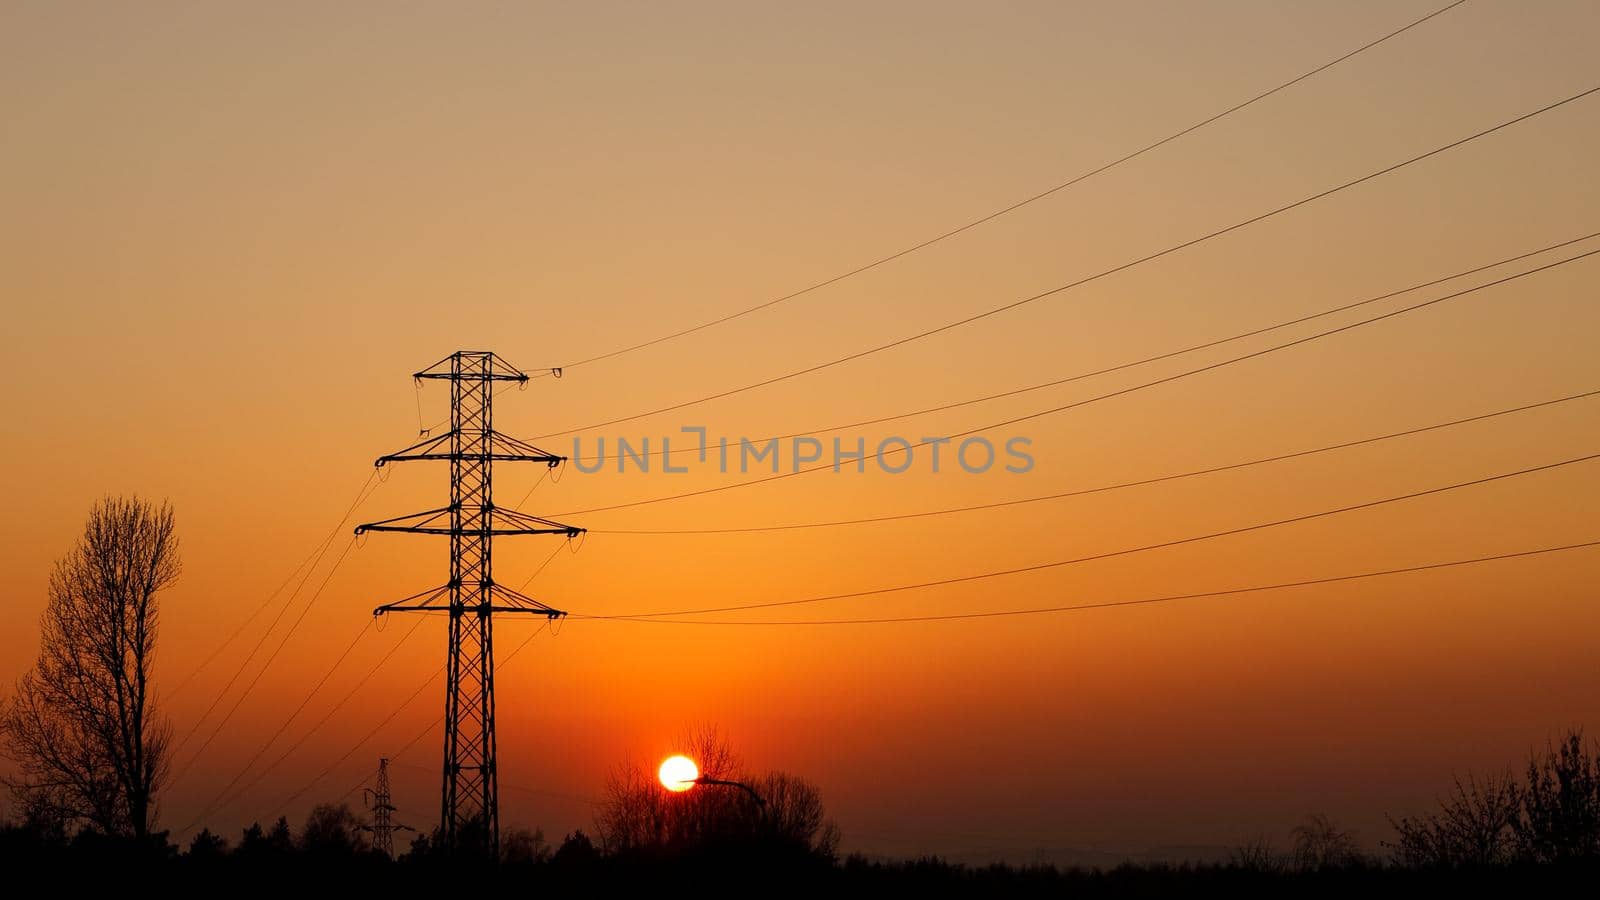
383	825
469	817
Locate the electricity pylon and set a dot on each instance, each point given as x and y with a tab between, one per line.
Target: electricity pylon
383	825
469	817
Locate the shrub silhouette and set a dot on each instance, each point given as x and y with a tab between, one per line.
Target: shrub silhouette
1474	826
1560	815
1319	844
332	830
1553	816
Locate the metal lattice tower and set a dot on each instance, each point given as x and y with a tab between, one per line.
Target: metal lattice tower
383	826
469	817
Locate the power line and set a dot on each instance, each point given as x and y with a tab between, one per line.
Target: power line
1024	202
907	448
361	497
545	473
287	722
293	626
260	642
396	711
1159	479
1014	392
1143	601
359	744
1259	526
314	729
817	367
542	566
219	802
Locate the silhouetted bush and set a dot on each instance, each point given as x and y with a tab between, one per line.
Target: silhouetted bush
1319	845
577	851
519	846
1474	826
1551	817
207	847
332	830
1560	815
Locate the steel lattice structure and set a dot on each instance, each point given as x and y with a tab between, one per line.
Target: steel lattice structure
469	815
383	826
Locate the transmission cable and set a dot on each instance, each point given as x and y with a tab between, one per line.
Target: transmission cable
1106	167
1109	554
1109	604
817	367
359	744
1014	392
396	711
293	626
907	448
260	642
361	497
222	801
280	729
1105	488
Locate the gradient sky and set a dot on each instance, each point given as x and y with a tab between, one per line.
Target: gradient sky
232	231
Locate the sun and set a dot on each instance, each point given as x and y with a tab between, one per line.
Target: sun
678	773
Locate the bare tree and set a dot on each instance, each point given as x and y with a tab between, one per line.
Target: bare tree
793	816
1474	826
1320	844
638	814
1256	854
82	726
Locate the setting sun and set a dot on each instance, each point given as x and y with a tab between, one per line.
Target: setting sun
678	773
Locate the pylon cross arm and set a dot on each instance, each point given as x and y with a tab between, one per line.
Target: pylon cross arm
501	600
499	522
501	448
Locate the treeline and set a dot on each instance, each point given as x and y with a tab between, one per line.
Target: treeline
1542	827
330	848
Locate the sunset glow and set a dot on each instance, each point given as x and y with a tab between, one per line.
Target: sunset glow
1249	475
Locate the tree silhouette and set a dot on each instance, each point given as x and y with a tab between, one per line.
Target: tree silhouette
332	830
1256	854
1560	820
639	817
208	846
82	727
519	846
576	851
1319	844
793	817
1474	826
1551	817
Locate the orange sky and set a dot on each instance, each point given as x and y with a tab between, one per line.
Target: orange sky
232	232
